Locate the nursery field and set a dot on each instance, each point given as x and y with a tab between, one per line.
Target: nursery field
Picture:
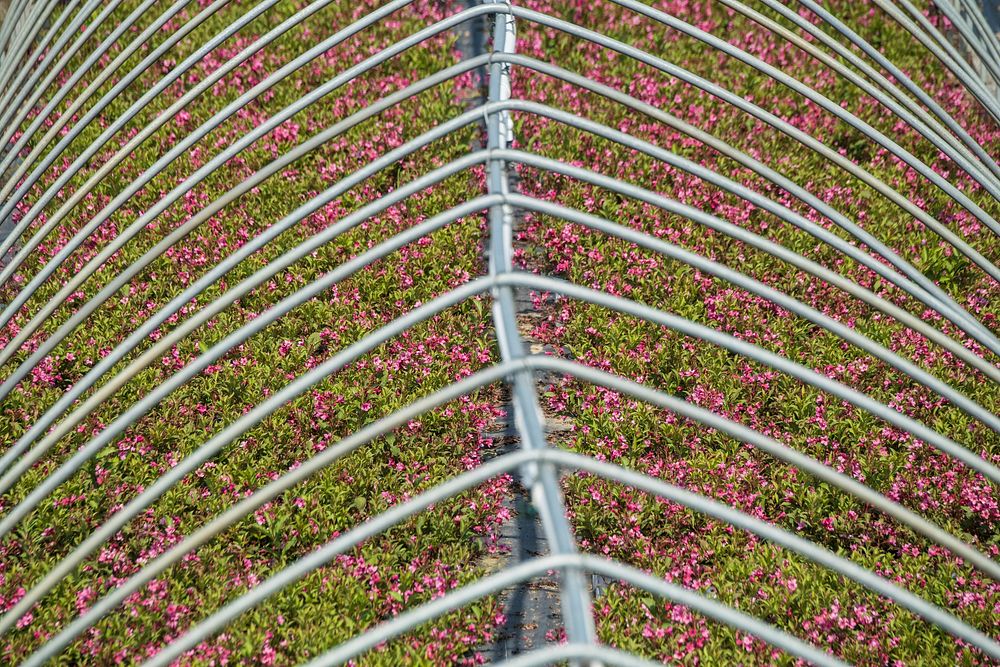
79	212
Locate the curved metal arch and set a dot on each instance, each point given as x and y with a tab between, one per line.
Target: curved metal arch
770	248
567	565
297	475
777	362
96	109
739	279
981	31
470	479
275	488
413	410
978	29
212	276
209	449
929	36
408	620
765	444
192	462
220	349
789	186
259	322
209	311
11	18
255	244
643	482
789	367
286	159
635	480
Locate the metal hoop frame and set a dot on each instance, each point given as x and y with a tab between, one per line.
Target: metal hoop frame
36	27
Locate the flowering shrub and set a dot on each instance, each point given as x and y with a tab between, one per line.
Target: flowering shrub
451	544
